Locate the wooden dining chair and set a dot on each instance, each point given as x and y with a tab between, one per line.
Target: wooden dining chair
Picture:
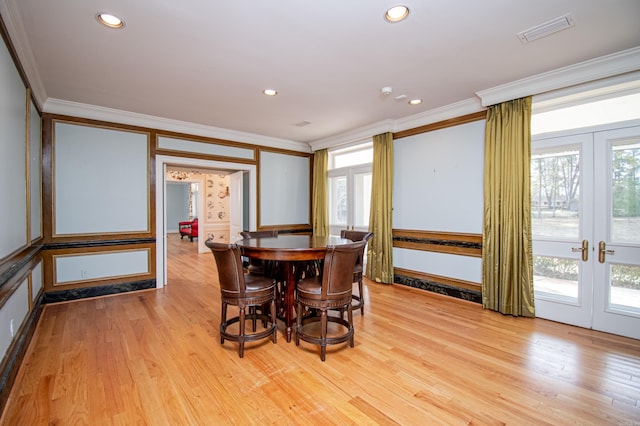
315	296
358	270
244	291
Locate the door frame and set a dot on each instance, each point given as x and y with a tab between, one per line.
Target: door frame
161	226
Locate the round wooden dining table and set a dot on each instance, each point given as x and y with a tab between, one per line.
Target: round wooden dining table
292	251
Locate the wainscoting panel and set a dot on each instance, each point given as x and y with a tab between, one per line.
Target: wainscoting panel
91	266
75	268
420	270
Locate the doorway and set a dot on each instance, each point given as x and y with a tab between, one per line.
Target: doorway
586	229
161	220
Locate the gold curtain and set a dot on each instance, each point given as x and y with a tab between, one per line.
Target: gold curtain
320	201
507	260
380	247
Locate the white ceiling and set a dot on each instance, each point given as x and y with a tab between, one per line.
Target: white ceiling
206	62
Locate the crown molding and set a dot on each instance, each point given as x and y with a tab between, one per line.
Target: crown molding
457	109
468	106
594	69
20	43
93	112
352	136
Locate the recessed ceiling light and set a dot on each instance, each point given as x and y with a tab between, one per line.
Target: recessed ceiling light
396	14
415	101
270	92
109	20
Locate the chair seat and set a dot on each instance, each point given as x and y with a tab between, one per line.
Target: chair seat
256	283
310	289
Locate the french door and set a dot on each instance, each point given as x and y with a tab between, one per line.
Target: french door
585	195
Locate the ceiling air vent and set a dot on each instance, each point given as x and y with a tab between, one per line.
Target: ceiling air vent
547	28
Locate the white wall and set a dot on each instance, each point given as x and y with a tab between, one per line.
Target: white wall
284	189
438	187
177	204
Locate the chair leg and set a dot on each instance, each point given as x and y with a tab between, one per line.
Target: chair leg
323	334
361	293
350	317
241	332
298	323
273	320
263	309
253	311
223	320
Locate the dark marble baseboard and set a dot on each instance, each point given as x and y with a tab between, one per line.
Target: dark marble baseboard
103	290
459	293
441	242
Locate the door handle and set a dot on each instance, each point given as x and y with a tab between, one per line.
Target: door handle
602	251
584	249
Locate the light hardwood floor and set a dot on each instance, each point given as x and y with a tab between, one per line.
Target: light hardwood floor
154	357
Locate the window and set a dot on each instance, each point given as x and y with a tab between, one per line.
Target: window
350	188
193	199
588	107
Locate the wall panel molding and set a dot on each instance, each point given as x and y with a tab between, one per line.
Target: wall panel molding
464	119
101	182
214	148
464	244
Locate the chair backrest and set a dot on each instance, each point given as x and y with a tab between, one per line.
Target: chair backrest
337	273
229	263
259	234
357	236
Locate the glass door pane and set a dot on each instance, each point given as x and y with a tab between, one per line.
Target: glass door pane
338	201
555	194
362	199
625	222
625	190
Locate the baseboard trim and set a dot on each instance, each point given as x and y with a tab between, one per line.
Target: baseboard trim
437	287
103	290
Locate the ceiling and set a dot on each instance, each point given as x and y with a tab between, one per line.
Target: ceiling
206	62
